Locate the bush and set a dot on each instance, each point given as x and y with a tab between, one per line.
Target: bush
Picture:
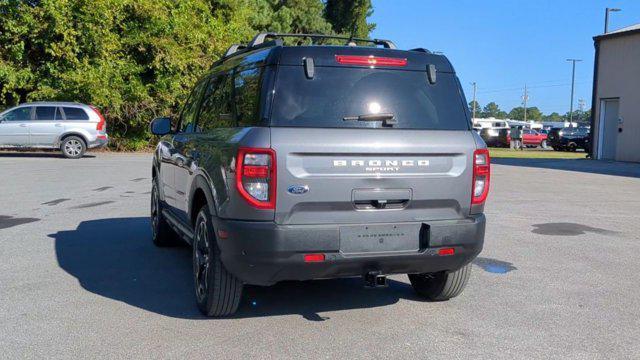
133	59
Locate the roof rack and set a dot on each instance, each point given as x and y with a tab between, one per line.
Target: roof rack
233	49
422	50
260	38
236	49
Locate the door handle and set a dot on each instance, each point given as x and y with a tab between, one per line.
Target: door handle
23	125
59	125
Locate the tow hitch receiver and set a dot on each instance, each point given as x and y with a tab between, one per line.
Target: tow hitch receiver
374	279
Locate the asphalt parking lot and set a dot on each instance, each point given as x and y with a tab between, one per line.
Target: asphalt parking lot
79	277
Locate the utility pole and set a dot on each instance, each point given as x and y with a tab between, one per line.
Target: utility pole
573	83
525	98
473	117
581	105
606	18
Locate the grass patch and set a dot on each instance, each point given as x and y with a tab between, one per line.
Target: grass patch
535	154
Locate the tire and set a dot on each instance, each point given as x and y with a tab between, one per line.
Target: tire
73	147
441	286
218	292
572	147
161	233
544	145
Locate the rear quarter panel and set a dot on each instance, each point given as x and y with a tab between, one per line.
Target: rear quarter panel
217	151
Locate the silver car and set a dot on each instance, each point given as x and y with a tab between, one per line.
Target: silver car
71	127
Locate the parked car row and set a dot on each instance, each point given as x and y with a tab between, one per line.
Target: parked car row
502	137
560	139
71	127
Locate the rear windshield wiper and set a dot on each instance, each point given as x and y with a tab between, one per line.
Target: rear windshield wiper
387	119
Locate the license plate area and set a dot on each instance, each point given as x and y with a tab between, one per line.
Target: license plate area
384	238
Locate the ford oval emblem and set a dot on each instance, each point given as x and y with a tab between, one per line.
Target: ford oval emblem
298	189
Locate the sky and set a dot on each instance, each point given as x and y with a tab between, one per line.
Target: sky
504	44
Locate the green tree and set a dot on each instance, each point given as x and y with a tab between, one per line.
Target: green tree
578	115
286	16
478	108
554	116
493	110
350	17
533	113
134	59
517	113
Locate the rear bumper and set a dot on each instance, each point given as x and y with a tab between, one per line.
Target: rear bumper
263	253
100	141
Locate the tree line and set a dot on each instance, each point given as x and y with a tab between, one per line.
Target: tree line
138	59
533	113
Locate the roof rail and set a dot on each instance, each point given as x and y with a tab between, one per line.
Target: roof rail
233	49
422	50
237	49
260	38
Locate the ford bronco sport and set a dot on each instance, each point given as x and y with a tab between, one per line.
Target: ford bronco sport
316	161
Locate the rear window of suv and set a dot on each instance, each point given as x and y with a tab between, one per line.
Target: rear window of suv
338	92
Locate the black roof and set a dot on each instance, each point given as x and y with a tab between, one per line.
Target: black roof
273	52
326	56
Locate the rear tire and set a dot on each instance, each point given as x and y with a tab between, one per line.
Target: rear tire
73	147
218	292
161	233
544	145
441	286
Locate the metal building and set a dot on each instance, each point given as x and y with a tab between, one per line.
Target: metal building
615	123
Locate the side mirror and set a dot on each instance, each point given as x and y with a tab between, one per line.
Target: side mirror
160	126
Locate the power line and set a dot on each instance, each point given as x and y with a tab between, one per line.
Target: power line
533	84
530	87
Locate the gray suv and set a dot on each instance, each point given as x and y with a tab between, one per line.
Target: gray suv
314	162
70	127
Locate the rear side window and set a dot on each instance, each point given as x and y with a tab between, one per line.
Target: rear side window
72	113
19	114
45	113
247	96
215	111
338	92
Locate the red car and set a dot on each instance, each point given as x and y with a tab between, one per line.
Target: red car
532	138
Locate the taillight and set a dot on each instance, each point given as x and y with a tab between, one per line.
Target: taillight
313	258
370	60
481	176
256	176
446	251
102	123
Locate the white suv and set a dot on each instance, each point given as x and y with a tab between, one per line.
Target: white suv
71	127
